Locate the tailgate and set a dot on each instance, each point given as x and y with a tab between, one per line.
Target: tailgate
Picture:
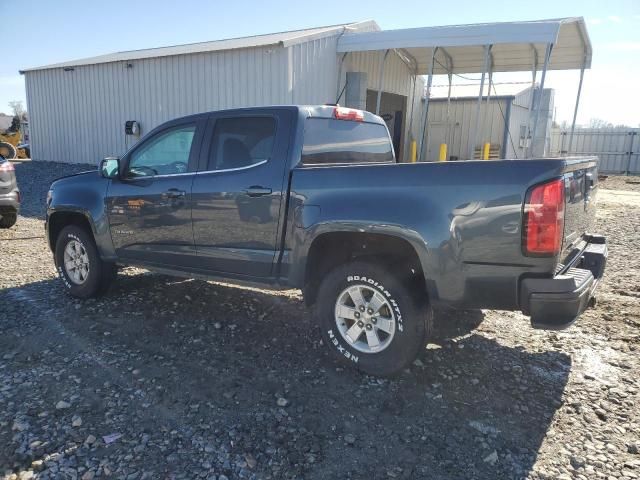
581	186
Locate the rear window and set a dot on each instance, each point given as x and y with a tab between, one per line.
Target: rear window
327	140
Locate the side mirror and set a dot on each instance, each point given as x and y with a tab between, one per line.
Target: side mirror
110	167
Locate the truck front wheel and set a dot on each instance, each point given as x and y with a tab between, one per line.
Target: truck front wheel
82	271
370	319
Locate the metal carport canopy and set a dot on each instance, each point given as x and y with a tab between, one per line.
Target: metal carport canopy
556	44
516	46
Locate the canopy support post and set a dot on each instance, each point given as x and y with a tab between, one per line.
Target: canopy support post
426	104
409	137
487	116
547	56
534	71
485	67
575	111
448	136
381	81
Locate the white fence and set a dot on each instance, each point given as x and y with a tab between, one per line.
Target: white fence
617	148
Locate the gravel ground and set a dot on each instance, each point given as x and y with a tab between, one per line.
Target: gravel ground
171	378
621	183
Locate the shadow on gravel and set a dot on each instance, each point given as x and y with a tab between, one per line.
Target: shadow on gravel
451	323
211	361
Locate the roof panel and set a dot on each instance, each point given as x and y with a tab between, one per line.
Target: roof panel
281	38
515	45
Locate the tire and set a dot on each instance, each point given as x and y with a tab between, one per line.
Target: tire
82	282
8	151
8	220
405	312
27	152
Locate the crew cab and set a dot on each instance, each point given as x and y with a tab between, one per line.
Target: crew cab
311	197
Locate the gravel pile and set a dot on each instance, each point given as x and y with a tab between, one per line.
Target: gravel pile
173	378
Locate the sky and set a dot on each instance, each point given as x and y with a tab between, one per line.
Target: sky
49	32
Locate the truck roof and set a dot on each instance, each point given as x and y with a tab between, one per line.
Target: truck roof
306	111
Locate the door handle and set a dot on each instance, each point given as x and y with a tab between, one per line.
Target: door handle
174	193
256	191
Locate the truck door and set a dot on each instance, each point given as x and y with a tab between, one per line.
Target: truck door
149	208
238	195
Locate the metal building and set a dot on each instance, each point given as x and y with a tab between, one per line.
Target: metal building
78	109
504	114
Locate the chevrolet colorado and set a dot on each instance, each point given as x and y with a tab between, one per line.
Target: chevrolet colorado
311	197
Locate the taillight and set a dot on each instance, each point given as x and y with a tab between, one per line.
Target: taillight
6	167
544	219
342	113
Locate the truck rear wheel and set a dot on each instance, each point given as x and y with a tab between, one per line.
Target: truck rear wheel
370	319
82	271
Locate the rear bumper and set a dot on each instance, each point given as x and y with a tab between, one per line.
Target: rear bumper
555	303
10	202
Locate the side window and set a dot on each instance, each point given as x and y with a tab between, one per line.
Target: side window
241	142
165	154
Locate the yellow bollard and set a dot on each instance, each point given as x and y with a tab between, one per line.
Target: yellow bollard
414	152
485	151
443	153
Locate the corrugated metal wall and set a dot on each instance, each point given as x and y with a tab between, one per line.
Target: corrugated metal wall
457	132
314	71
396	76
617	148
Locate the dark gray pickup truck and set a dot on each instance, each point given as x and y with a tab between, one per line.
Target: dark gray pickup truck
312	198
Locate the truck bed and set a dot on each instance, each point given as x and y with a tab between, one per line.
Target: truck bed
465	219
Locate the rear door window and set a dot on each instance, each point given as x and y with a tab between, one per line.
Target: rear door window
327	141
240	142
